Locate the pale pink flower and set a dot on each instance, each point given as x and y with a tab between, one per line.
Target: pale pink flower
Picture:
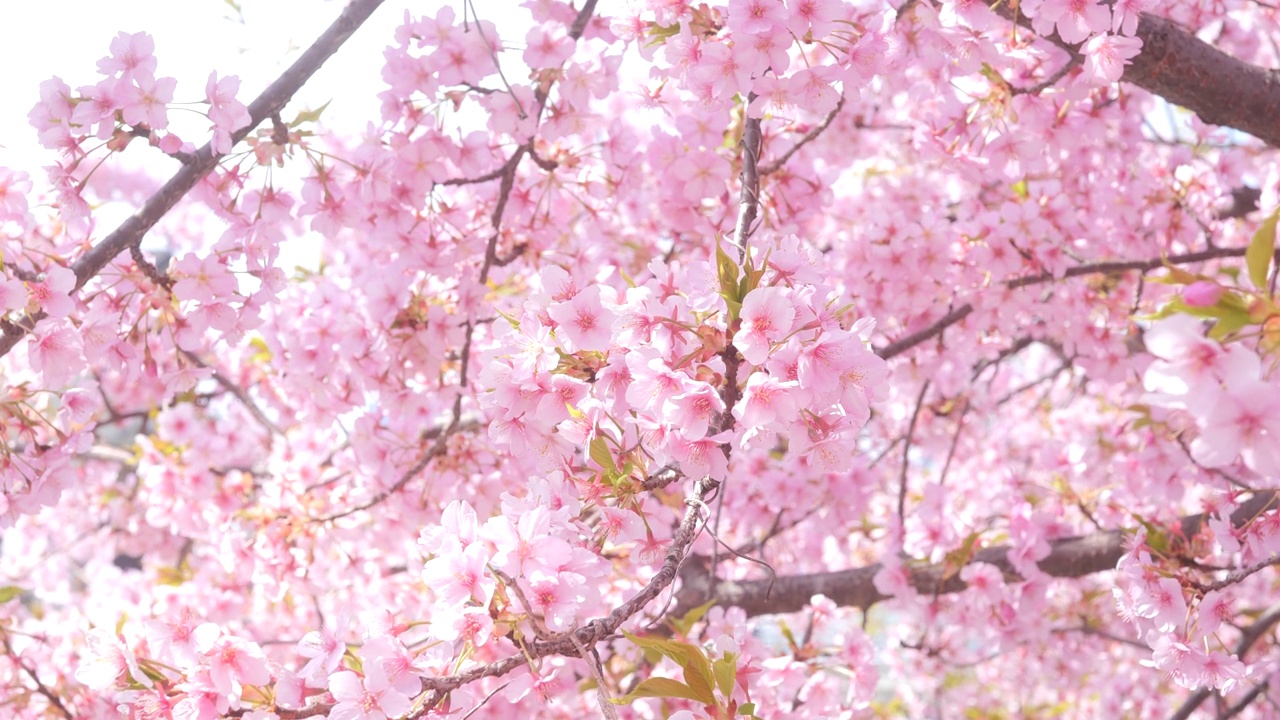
234	662
145	101
204	279
767	316
584	321
325	650
1076	20
459	574
555	598
547	46
368	699
1163	603
108	663
131	54
225	112
692	411
757	16
54	351
52	293
1214	609
1105	57
765	400
471	624
13	295
1244	421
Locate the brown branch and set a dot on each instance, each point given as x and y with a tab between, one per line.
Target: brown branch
237	392
437	449
55	702
568	644
808	137
901	345
1186	71
906	455
749	194
270	102
1068	558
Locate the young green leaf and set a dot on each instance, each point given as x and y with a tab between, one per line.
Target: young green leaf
1258	256
660	687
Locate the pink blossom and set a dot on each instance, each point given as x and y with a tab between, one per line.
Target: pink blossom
132	54
13	295
584	321
225	112
1245	421
470	624
1163	603
368	699
109	663
204	279
756	16
54	351
1125	14
765	400
459	574
234	662
144	102
692	411
1105	57
767	316
1076	20
325	650
52	294
547	46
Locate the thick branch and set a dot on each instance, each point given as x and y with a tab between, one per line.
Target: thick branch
270	102
1186	71
1069	558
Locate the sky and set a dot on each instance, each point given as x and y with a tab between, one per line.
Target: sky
66	38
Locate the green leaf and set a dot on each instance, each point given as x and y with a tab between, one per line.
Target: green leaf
1176	276
599	451
308	116
659	33
748	709
9	592
690	658
659	687
1258	257
727	270
1230	321
684	624
726	671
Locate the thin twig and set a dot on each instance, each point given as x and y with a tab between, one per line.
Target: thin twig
237	392
906	454
901	345
808	137
271	101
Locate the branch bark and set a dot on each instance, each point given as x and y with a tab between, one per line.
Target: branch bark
1069	558
272	100
1186	71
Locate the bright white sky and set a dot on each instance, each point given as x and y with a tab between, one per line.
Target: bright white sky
194	37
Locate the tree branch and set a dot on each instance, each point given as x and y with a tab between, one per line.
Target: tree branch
1186	71
1068	558
271	101
901	345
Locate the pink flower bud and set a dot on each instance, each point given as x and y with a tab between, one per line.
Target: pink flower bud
1202	294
